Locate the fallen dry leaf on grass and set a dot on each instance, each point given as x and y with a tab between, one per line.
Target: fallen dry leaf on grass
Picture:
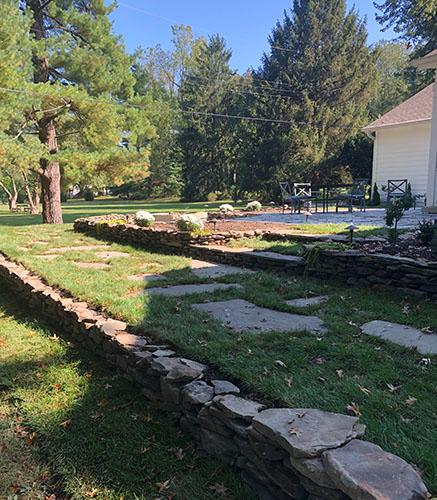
280	363
340	373
410	401
393	388
354	408
289	381
364	390
219	489
65	423
165	485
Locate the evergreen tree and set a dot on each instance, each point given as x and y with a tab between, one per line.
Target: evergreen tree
79	76
323	75
207	142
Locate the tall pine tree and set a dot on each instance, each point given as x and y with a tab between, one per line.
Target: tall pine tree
322	74
80	74
207	142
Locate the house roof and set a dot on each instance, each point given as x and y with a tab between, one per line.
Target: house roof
426	62
417	108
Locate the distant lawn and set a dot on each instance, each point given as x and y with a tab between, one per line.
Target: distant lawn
395	394
74	209
72	429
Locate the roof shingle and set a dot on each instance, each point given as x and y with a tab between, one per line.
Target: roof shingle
416	108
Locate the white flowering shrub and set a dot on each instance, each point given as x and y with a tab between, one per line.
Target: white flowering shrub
189	222
254	206
144	219
226	208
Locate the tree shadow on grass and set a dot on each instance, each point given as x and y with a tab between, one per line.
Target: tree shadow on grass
98	436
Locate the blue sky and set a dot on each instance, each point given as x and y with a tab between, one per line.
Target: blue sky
245	24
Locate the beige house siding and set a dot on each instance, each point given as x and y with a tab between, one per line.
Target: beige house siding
402	152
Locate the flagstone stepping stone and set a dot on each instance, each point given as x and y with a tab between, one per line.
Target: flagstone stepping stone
241	315
47	257
174	291
79	248
147	277
403	335
91	265
307	302
111	255
203	269
365	471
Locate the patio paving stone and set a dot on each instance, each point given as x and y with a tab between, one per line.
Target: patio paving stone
241	315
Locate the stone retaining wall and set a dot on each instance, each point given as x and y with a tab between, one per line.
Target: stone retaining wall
415	278
283	453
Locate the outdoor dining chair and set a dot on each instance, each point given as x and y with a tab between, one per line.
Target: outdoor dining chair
396	188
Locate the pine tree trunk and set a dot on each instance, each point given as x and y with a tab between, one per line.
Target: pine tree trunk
50	177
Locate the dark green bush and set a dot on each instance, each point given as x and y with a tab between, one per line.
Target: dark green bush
425	231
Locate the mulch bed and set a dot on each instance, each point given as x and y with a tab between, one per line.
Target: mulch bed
408	245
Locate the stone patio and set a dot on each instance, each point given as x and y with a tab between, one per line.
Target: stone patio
403	335
372	217
242	316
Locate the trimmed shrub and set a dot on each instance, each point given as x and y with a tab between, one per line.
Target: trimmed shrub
144	219
188	222
212	197
226	208
376	198
88	195
425	231
254	206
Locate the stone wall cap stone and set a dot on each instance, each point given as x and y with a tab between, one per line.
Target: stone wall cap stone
197	393
236	407
307	432
224	387
365	471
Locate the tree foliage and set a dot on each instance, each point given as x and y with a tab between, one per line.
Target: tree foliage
414	20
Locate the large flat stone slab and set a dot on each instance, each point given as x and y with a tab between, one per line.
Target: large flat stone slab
111	255
307	433
147	277
203	269
364	471
91	265
403	335
242	315
175	291
307	302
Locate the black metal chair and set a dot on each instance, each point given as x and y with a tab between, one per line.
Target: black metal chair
396	188
303	196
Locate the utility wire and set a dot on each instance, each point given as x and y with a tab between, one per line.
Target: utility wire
185	111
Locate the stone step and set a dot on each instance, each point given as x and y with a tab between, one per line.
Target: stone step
403	335
241	315
178	290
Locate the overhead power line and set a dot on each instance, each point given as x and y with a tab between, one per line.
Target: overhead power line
185	111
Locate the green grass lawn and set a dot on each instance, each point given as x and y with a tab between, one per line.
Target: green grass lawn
74	209
395	394
71	429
